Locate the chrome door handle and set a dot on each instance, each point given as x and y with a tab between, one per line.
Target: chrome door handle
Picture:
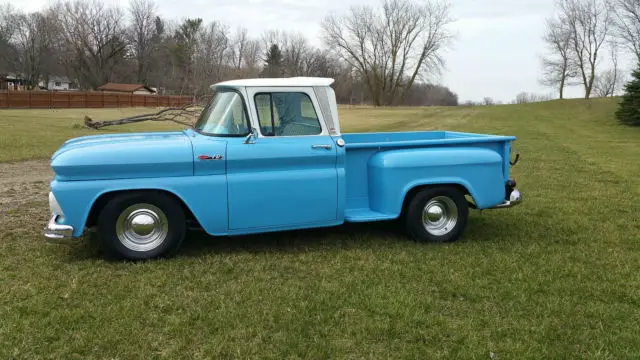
328	147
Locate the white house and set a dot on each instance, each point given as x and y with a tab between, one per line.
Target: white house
57	83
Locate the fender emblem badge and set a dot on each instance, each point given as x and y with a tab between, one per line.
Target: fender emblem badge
207	157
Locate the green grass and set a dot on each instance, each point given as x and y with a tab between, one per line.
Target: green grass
554	278
36	134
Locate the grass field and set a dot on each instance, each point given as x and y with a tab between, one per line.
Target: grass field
554	278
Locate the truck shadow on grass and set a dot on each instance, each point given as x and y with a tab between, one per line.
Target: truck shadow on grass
197	243
380	235
340	237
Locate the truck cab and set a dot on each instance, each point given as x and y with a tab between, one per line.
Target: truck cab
268	155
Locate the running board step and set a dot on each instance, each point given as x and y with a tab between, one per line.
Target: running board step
365	215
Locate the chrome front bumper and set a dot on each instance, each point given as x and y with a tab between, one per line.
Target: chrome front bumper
58	234
514	199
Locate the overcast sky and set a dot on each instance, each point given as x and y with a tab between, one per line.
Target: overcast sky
496	52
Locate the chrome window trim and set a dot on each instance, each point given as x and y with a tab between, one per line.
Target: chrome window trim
309	91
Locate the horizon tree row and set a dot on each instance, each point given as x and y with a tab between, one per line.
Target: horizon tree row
384	55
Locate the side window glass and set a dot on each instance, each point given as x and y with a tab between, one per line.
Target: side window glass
307	110
287	114
266	114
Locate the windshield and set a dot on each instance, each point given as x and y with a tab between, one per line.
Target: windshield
226	115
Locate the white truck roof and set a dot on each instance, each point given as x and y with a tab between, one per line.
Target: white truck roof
323	93
278	82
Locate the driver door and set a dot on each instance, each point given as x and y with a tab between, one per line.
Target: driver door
286	178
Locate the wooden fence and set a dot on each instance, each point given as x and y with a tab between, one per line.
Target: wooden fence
73	99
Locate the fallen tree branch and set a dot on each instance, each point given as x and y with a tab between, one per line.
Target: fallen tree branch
185	115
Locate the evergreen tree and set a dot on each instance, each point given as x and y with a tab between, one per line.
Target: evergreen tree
629	111
273	63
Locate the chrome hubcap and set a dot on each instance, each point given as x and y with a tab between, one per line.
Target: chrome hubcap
142	227
440	216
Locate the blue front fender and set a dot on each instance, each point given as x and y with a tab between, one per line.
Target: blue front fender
204	196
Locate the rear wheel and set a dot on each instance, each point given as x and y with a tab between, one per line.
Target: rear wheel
437	214
141	225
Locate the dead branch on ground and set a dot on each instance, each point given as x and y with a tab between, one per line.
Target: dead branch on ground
185	115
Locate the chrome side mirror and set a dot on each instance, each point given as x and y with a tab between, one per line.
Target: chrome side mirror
251	138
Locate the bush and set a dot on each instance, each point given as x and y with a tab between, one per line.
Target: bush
629	111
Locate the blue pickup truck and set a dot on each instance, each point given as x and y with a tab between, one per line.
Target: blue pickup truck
267	155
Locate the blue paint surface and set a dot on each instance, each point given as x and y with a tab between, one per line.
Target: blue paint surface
278	183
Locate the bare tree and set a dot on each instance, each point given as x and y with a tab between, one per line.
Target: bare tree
6	19
392	47
252	57
92	40
627	14
33	43
320	63
590	24
237	48
296	51
608	82
186	115
8	25
487	101
141	35
211	50
525	98
244	54
558	65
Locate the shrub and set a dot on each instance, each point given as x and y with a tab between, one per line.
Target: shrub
629	111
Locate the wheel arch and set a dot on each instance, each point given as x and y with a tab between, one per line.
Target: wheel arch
101	201
411	191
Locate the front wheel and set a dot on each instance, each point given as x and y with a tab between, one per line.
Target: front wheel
437	214
141	225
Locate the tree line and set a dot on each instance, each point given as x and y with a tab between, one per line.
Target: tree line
580	35
380	55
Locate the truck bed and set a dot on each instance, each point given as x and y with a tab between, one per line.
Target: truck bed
417	138
420	156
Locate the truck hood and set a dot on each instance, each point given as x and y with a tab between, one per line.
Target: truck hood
121	156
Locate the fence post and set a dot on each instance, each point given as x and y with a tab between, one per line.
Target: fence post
8	98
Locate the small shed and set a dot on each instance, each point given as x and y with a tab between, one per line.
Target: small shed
57	83
137	89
